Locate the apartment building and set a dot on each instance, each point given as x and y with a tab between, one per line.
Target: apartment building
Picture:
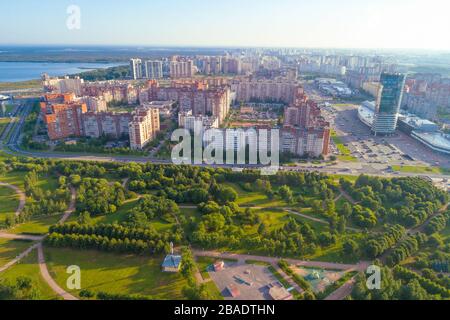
305	132
278	90
181	68
191	95
143	127
64	120
136	68
111	124
95	104
153	70
62	85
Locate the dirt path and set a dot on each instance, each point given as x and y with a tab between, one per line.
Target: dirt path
72	205
18	258
22	197
46	275
316	219
20	237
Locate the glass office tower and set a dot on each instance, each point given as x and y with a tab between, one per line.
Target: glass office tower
388	103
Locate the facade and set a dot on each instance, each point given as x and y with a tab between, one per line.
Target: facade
95	104
153	70
119	91
62	85
305	132
198	97
388	103
196	123
281	90
64	120
114	125
181	68
136	68
143	127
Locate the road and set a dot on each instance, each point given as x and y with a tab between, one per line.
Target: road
342	168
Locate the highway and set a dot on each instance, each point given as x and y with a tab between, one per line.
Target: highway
341	168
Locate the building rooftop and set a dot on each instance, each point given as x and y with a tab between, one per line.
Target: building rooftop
435	139
172	261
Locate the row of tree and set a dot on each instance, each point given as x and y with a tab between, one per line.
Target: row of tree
379	244
103	243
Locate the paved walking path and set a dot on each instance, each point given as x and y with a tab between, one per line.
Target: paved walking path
72	204
18	258
46	275
20	237
41	258
22	197
344	291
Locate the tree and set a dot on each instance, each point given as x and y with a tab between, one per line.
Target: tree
84	218
226	194
286	194
350	248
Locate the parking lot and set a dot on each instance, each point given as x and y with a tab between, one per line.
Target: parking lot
259	278
399	149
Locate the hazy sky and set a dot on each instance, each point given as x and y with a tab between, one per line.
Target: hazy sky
422	24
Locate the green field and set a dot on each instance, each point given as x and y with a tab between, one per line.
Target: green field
116	274
421	169
29	268
36	226
10	249
9	202
30	84
345	153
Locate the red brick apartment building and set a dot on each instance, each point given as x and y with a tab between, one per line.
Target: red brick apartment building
62	115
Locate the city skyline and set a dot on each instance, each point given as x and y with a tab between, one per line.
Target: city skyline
287	23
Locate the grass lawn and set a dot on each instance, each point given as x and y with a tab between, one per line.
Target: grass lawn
421	169
121	274
255	199
29	268
36	226
29	84
120	215
334	253
9	202
345	153
10	249
203	263
15	178
213	291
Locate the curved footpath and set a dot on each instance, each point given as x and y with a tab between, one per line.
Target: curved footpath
21	194
41	257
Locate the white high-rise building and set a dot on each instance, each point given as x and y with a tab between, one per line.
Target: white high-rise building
153	70
136	68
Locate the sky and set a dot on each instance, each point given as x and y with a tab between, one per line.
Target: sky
381	24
